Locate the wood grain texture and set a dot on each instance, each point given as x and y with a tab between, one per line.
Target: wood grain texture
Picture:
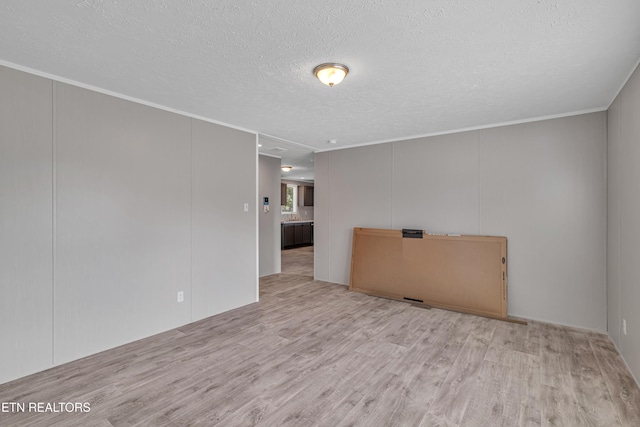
460	273
311	353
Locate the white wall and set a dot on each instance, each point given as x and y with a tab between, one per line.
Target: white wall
109	208
224	245
435	184
623	268
123	218
360	192
614	325
542	185
269	223
26	224
323	226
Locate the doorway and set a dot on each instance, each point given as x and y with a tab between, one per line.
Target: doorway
285	200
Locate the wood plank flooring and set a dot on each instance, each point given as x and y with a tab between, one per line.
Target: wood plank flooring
312	353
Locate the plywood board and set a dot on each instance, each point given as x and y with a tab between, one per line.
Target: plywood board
461	273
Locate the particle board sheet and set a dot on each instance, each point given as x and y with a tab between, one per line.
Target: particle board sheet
455	272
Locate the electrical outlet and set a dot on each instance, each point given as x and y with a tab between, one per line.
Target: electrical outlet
180	296
624	326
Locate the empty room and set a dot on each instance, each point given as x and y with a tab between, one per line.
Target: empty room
339	213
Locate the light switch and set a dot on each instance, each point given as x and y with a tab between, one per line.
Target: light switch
246	207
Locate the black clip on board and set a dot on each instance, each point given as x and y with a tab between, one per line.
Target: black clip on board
411	234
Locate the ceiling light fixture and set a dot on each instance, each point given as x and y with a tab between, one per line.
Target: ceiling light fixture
286	168
331	74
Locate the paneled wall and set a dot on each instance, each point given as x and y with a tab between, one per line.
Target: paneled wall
435	183
224	261
623	268
26	224
123	220
109	208
360	192
542	185
269	223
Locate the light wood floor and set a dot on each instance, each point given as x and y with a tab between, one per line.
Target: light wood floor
313	353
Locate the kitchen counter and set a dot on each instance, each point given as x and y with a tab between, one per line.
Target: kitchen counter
297	222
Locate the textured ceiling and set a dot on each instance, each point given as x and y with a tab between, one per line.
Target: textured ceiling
417	68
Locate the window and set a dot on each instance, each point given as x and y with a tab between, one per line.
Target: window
292	200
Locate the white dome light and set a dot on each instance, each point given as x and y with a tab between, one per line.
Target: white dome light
331	74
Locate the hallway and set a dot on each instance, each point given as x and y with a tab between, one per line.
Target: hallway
298	261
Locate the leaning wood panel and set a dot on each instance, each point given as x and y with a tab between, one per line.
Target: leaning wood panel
461	273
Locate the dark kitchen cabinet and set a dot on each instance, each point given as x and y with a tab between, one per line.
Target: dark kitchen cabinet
288	236
306	233
296	234
305	195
